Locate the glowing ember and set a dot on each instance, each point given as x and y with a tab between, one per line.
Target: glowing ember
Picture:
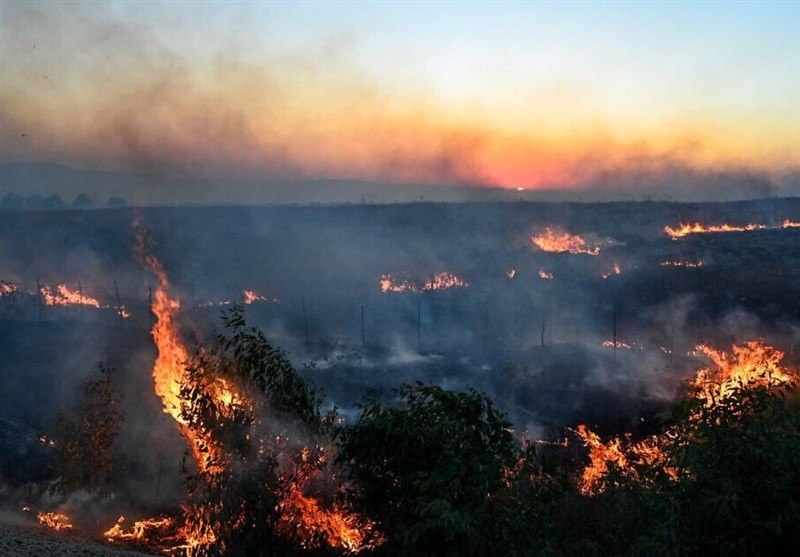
511	273
55	521
63	296
619	344
616	271
555	242
212	303
681	264
697	228
251	297
544	275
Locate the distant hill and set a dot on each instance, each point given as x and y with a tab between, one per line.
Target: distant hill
48	180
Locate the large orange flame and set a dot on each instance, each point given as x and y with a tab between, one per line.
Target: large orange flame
559	242
697	228
750	364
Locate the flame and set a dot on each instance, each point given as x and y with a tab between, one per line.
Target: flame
55	521
439	281
390	284
443	281
511	273
681	264
544	275
698	228
551	241
64	296
250	297
6	288
140	531
304	516
750	364
618	344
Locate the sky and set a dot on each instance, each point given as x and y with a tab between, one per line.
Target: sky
508	94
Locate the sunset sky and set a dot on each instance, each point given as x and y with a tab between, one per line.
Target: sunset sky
516	94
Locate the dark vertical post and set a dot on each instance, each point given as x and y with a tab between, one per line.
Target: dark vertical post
39	297
119	302
672	346
305	318
419	327
541	342
363	333
615	337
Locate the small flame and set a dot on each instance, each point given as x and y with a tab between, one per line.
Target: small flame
544	275
616	271
511	273
681	263
618	344
55	521
558	242
64	296
6	288
251	297
439	281
443	281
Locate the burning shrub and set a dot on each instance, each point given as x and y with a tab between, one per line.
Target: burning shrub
259	438
723	478
84	457
426	470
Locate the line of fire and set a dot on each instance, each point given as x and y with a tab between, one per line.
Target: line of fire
418	379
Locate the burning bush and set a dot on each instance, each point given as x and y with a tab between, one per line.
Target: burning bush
722	478
260	438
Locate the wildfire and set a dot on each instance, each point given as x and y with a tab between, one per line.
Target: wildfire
55	521
6	288
544	275
439	281
681	263
750	364
303	516
64	296
443	281
697	228
618	344
390	284
141	530
555	242
251	297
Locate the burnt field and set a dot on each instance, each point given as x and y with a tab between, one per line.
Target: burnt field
315	274
562	314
